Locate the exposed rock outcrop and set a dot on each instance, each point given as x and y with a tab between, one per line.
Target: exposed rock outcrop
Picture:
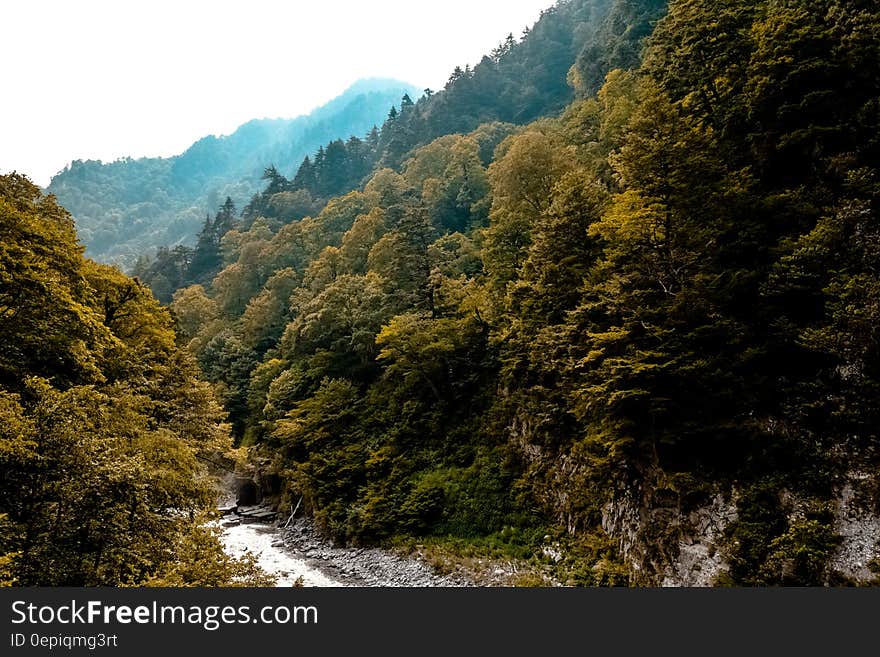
666	545
857	522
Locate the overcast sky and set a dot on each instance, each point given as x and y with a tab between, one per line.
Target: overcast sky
100	79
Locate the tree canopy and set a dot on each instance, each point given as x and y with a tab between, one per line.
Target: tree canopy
103	420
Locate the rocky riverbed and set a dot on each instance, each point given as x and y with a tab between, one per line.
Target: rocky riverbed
298	552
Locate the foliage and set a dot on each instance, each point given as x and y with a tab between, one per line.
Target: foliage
532	307
130	207
102	419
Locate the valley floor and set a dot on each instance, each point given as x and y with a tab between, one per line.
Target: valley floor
298	554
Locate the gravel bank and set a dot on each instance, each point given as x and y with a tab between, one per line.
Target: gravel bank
299	551
360	566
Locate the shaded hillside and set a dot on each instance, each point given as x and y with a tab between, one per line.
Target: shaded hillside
126	208
566	53
645	328
623	332
104	423
520	80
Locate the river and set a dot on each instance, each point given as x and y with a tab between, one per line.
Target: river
263	542
299	551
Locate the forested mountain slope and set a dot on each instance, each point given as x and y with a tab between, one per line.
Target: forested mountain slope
567	52
605	307
518	82
126	208
645	328
103	420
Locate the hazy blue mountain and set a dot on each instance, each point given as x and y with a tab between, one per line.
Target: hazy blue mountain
129	207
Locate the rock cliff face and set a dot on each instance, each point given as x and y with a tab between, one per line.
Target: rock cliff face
700	559
857	522
665	545
665	538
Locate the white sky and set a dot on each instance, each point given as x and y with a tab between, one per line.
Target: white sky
100	79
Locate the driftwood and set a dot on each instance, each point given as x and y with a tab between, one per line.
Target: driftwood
295	509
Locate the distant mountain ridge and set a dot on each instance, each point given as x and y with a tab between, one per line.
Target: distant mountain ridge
129	207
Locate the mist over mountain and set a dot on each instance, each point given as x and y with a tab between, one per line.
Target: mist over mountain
129	207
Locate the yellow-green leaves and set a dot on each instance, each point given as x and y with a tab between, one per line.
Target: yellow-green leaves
522	180
102	417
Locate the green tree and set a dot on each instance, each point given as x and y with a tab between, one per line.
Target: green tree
101	482
521	179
